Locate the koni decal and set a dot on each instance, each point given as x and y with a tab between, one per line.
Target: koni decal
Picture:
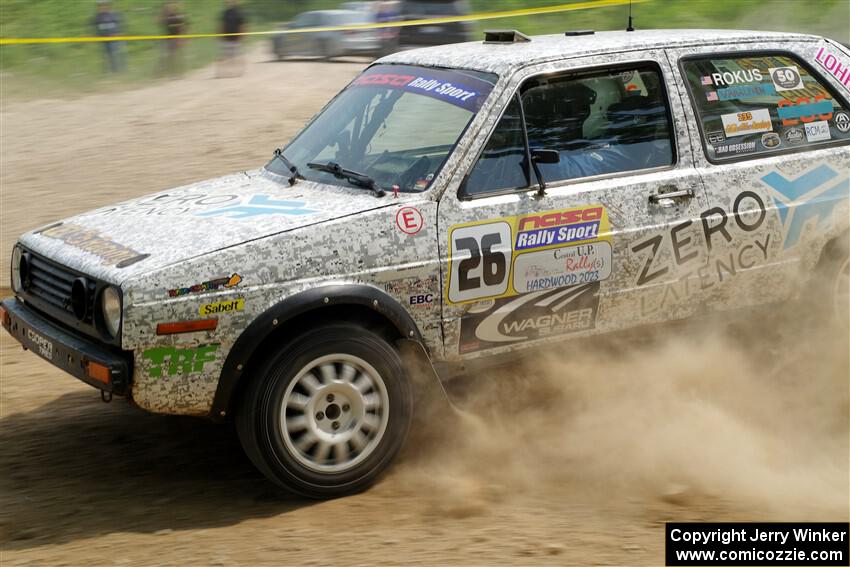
92	241
513	255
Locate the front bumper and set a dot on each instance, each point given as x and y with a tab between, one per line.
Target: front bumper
82	358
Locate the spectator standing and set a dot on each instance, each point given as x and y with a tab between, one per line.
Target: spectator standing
173	21
107	23
232	21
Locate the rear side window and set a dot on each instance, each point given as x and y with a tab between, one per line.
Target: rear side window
761	104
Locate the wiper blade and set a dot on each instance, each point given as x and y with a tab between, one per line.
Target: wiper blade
359	179
293	169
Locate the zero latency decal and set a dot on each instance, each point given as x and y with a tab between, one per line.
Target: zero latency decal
508	256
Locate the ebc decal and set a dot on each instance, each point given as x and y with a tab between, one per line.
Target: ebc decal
452	87
530	317
513	255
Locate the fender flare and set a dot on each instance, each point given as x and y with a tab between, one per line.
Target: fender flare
277	315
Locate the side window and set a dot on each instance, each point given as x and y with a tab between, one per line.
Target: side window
502	164
761	104
600	123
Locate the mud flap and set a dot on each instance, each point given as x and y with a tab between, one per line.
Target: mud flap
431	401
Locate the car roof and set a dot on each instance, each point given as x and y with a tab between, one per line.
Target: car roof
503	58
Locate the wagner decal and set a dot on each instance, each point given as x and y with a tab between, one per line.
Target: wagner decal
562	267
530	317
212	285
170	361
786	78
218	307
833	66
483	255
808	199
93	242
749	122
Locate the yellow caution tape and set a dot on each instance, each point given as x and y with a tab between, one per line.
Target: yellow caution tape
467	18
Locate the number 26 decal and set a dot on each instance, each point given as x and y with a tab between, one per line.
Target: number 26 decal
480	256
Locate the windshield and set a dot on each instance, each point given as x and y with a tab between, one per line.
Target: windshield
394	123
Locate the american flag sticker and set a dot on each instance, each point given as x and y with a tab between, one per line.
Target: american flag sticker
711	96
706	80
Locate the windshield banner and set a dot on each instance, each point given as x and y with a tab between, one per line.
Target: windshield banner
449	86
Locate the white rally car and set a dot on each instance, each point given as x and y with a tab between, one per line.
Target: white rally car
454	203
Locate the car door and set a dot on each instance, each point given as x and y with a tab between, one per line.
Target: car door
771	145
592	251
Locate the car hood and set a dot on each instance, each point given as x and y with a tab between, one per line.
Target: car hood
117	242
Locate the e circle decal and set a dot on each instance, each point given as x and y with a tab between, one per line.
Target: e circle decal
409	220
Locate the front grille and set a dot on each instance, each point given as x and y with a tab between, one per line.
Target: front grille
52	284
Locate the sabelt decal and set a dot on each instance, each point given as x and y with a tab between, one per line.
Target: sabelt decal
93	242
531	316
833	66
749	122
512	255
228	306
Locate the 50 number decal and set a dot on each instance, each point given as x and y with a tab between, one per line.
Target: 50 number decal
479	260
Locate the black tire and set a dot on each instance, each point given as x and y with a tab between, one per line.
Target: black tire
274	447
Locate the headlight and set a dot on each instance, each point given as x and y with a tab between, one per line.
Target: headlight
110	309
16	268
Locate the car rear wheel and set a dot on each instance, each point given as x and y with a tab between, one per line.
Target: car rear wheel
833	284
325	416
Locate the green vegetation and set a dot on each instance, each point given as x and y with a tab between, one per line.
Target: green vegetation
78	67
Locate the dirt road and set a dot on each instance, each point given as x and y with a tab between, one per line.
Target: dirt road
575	459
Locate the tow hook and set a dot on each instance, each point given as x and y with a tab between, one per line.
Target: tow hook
105	396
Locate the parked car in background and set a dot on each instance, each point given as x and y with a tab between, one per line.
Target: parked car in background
328	44
433	34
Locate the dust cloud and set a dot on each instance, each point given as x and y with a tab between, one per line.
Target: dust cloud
751	414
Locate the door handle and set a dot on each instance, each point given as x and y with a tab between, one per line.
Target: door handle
666	199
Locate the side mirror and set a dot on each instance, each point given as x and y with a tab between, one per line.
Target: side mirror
545	156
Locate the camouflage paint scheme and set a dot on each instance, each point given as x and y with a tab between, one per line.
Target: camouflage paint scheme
282	240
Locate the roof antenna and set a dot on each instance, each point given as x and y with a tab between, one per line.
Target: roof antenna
630	26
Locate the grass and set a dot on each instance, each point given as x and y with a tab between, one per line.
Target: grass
80	67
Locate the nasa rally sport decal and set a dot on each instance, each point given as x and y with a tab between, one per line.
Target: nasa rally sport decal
508	256
530	317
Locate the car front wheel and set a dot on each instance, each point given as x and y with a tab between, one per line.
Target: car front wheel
325	415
